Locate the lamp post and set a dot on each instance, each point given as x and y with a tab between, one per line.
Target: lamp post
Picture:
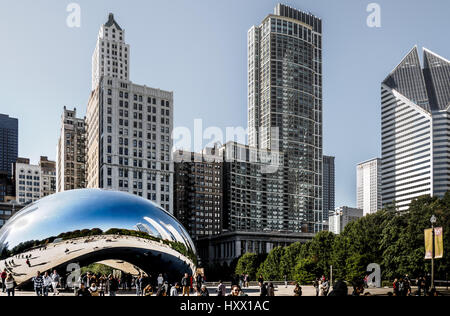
433	221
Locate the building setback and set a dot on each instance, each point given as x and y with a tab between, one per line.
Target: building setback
328	187
285	107
341	217
198	193
9	142
48	176
129	126
368	186
415	129
71	152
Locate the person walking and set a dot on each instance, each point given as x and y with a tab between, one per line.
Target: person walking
221	289
160	280
47	283
55	282
174	289
199	281
185	284
113	286
139	282
298	290
260	280
270	290
4	275
38	283
263	291
10	284
316	286
246	279
101	286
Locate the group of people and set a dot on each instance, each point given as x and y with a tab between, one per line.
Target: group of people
322	286
46	283
8	283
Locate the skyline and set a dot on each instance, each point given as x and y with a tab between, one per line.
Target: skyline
233	76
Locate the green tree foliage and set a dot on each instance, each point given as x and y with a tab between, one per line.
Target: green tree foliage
249	263
305	271
270	268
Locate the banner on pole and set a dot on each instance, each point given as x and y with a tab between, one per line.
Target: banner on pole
438	243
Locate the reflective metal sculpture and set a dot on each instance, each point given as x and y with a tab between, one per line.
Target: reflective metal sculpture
92	225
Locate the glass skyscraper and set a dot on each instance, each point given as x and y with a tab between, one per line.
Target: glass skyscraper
285	107
9	144
415	104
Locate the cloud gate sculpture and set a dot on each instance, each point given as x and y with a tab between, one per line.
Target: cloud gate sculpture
92	225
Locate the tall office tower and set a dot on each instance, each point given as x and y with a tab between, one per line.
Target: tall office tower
368	186
111	56
9	143
198	192
71	151
285	93
328	187
48	176
129	128
415	122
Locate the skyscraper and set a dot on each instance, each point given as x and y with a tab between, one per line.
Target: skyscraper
328	187
71	152
415	121
129	126
9	143
285	107
368	186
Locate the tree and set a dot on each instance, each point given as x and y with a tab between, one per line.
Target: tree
292	254
305	271
270	268
249	263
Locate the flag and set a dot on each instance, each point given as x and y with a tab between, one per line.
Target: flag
438	243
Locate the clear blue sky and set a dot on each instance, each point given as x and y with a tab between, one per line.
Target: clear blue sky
198	50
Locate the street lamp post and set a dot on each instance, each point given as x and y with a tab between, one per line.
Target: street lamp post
433	221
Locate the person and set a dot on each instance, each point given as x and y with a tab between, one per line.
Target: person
324	287
38	283
101	286
174	289
270	290
204	291
93	289
366	279
427	283
236	291
316	286
10	284
401	287
420	285
185	284
246	279
199	281
160	280
241	280
285	281
358	287
298	290
139	283
83	291
260	280
148	290
166	288
47	283
4	275
28	263
113	286
263	291
221	289
395	287
339	289
55	281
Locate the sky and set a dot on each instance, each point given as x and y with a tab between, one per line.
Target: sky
198	50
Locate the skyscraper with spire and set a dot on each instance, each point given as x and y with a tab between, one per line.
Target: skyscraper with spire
415	105
129	126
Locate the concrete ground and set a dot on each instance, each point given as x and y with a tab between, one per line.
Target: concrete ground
251	291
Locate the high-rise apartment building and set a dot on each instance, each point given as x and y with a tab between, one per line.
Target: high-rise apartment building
368	186
129	126
285	107
328	187
9	142
71	152
415	122
198	192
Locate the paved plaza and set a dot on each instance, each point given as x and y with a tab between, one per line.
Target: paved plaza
251	291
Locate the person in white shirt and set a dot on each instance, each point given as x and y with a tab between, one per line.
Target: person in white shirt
160	280
47	283
55	281
174	290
